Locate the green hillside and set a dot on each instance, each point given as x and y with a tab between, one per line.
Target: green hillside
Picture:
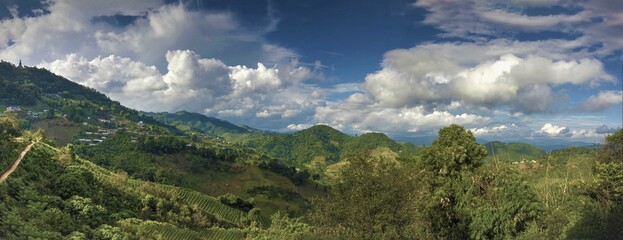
185	121
74	197
324	144
513	152
121	174
122	139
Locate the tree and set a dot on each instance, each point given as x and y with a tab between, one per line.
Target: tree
8	129
372	199
468	200
450	160
609	169
281	227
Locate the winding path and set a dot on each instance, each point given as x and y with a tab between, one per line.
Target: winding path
6	174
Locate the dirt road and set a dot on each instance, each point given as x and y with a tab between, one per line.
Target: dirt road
6	174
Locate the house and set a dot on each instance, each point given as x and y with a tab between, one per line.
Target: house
140	123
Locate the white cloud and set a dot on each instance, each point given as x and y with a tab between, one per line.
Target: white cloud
473	18
602	101
481	74
599	23
197	84
492	130
298	127
357	113
70	27
554	130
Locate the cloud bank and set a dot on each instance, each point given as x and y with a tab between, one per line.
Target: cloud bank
489	69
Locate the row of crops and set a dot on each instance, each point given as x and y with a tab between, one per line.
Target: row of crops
159	230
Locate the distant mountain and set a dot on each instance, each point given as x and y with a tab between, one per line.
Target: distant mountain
557	145
184	120
325	144
514	151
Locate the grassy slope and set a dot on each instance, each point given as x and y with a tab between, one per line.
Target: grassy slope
560	179
513	152
59	130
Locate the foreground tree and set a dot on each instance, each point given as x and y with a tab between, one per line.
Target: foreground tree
469	201
609	170
605	221
8	129
372	199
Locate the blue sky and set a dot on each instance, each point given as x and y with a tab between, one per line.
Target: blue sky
519	70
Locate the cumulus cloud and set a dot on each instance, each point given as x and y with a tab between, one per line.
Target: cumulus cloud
602	101
198	84
360	114
552	130
520	77
298	127
492	130
70	27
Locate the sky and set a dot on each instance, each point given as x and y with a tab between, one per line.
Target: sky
513	70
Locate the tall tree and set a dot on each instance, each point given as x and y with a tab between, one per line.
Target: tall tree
468	201
8	129
448	161
372	199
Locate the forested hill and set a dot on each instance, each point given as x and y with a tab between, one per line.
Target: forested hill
41	94
325	144
28	85
185	121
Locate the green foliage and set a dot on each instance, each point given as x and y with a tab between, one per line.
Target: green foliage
373	199
467	201
612	151
273	192
319	146
282	228
236	202
75	181
368	142
297	177
8	129
455	151
608	184
503	205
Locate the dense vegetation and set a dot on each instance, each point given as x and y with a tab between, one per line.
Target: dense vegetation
178	177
